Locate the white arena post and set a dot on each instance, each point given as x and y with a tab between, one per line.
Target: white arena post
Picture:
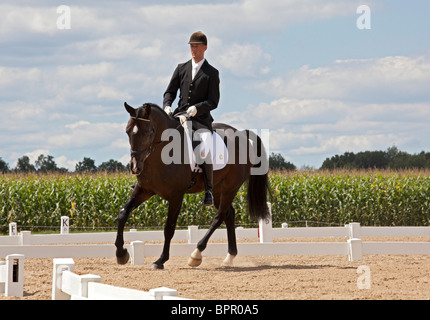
12	275
355	249
25	237
354	230
137	252
193	232
60	265
3	276
67	285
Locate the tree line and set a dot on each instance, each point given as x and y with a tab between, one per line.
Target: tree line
392	158
46	164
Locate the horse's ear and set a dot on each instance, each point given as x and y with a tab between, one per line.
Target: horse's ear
130	109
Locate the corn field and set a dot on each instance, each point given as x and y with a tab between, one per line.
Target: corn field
92	201
381	198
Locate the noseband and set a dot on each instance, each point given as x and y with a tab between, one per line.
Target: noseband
146	151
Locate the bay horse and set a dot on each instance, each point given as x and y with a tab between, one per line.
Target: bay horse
172	181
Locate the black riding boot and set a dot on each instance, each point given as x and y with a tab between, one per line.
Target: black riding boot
207	169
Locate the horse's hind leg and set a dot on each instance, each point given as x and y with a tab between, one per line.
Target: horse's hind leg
231	236
224	207
196	256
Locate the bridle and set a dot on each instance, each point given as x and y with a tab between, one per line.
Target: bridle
152	148
136	118
146	151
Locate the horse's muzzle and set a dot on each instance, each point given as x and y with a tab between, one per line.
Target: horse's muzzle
135	166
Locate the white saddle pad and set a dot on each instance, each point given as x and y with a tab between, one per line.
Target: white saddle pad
212	143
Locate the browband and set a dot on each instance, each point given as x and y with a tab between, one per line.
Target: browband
136	118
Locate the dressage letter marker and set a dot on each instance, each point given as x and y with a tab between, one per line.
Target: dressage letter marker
64	225
13	231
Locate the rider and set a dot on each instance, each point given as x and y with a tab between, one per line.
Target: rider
198	83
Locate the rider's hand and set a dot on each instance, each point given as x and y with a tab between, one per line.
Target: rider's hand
192	111
168	110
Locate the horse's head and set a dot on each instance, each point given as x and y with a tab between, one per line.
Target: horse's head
141	132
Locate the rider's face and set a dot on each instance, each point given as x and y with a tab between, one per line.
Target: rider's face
198	51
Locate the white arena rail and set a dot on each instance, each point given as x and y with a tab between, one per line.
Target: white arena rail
88	244
67	285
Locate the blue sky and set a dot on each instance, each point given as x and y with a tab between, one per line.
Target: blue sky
301	69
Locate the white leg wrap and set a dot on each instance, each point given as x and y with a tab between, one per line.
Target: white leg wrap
197	254
228	261
196	258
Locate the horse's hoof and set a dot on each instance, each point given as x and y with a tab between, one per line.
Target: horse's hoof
193	262
155	266
124	258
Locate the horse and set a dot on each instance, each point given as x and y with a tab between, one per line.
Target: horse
171	181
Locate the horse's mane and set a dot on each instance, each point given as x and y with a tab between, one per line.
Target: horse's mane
156	107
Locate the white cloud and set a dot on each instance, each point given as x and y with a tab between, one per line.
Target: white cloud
21	19
285	110
389	78
349	105
120	144
350	143
84	72
77	125
86	134
125	159
300	127
12	76
63	162
238	18
33	155
243	60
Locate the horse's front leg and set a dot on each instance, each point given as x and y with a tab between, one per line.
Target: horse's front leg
169	231
136	198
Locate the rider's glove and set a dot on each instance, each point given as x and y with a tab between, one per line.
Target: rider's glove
168	110
192	111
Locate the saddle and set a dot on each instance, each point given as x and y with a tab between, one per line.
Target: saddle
210	144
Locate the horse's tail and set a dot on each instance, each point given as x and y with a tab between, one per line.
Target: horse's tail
258	184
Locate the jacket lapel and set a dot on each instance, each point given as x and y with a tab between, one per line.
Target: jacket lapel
201	71
189	72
